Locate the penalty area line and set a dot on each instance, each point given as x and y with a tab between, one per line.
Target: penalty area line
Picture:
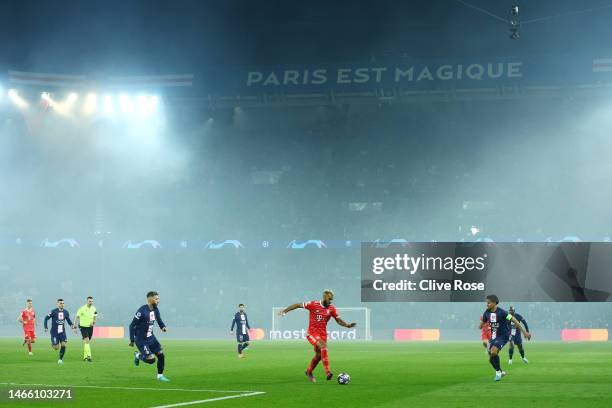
242	392
181	404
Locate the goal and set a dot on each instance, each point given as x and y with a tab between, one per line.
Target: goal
293	326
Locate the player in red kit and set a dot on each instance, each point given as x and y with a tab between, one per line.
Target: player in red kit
28	319
320	313
486	335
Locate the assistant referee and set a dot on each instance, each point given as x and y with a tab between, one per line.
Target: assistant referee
86	319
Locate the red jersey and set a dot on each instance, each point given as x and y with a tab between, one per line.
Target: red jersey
486	331
28	317
319	316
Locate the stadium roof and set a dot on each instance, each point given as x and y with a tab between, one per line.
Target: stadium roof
155	36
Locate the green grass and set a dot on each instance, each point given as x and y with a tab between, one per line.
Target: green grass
383	374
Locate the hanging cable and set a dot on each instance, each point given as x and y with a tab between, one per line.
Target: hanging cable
488	13
569	13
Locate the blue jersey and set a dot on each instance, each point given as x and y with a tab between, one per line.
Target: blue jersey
521	320
241	321
500	323
141	327
58	320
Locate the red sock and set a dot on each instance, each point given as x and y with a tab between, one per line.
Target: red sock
313	363
325	360
29	346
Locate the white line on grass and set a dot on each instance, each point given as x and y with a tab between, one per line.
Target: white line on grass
132	388
180	404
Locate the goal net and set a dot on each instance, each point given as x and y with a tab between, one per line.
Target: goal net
293	326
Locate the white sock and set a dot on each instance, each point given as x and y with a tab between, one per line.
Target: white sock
160	375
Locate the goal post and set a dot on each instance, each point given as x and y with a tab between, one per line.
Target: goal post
293	326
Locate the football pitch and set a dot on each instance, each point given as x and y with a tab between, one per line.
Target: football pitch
383	374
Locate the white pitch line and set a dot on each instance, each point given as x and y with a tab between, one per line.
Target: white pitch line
128	388
204	401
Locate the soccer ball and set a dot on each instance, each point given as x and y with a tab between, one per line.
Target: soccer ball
343	378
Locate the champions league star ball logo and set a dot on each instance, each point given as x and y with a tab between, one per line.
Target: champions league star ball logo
304	244
227	243
394	243
149	243
66	242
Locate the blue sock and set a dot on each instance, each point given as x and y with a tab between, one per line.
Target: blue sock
239	348
161	360
496	363
62	351
511	352
492	363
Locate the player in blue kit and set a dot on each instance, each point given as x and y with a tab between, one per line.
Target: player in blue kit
241	321
59	316
141	334
500	321
515	336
